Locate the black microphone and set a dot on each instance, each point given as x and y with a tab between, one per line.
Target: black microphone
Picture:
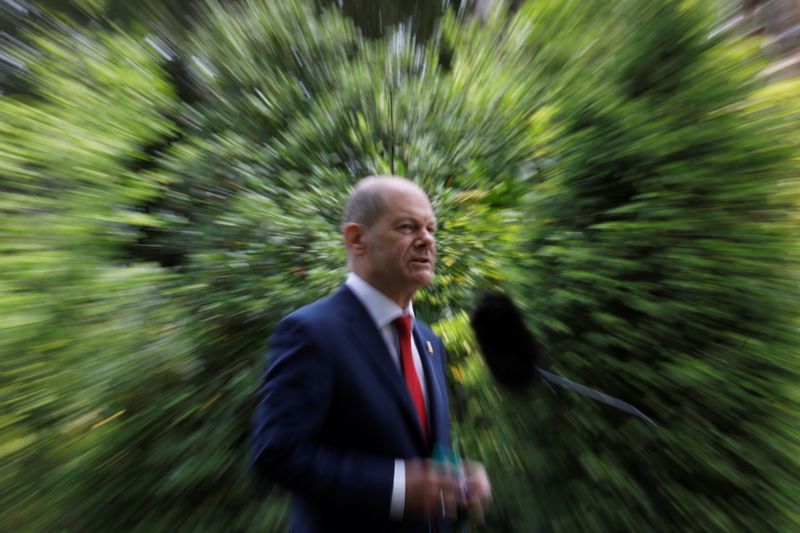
508	348
512	353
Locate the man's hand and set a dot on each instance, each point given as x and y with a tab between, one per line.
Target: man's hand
479	489
431	490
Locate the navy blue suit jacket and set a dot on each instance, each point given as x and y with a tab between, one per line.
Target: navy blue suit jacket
334	413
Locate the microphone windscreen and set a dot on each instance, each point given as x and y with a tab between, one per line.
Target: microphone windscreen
509	349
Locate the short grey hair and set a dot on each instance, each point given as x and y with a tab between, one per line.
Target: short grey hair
367	202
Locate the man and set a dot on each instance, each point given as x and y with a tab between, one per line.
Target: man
354	400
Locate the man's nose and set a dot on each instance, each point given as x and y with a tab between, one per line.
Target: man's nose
426	238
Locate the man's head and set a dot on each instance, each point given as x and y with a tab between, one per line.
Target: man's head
388	228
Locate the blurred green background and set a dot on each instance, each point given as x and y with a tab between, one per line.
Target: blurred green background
171	177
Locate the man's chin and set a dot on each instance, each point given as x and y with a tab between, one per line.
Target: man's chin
423	278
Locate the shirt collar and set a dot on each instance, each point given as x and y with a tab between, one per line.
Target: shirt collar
382	310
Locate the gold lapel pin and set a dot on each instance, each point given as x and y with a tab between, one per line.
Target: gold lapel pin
430	348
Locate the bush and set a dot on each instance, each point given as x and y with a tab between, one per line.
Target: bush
633	189
660	266
194	227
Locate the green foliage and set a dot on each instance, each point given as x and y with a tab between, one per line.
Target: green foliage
635	190
238	196
80	328
661	268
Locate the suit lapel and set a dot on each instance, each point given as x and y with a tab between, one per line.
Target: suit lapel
368	338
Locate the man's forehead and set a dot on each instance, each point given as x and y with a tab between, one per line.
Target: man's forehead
422	211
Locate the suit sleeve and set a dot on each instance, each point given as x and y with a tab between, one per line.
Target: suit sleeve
293	401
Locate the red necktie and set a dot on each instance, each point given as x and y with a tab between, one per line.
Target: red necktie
403	325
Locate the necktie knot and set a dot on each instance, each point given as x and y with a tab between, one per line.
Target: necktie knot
403	324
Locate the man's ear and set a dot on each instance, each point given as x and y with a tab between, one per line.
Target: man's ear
354	235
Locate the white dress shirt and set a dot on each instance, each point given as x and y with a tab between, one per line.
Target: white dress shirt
383	311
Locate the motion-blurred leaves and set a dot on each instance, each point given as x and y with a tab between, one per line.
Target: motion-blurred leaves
629	176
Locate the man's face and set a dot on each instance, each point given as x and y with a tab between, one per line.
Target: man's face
400	252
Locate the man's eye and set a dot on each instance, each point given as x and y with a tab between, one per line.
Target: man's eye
405	227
